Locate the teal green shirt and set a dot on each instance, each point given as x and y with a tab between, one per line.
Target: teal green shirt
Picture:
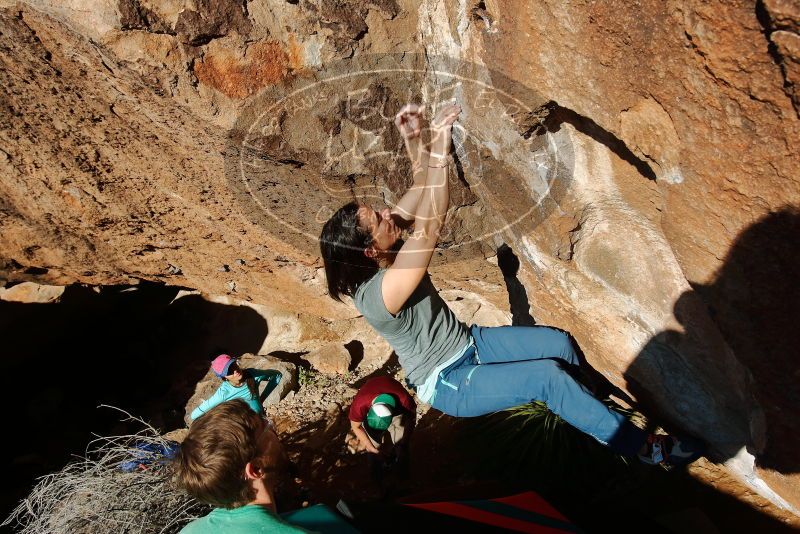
250	519
227	392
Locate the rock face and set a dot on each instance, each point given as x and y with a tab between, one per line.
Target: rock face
660	104
781	22
641	162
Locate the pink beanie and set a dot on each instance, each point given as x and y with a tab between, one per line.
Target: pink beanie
221	364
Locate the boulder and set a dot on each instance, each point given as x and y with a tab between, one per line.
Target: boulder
30	293
331	359
472	309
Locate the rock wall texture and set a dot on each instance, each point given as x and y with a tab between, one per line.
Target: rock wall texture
641	160
684	197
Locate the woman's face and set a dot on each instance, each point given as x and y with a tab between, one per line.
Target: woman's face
234	375
381	227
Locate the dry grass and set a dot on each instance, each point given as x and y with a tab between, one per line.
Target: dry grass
93	495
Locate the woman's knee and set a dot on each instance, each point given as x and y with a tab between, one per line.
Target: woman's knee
562	343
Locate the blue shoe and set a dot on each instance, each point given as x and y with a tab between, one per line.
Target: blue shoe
672	451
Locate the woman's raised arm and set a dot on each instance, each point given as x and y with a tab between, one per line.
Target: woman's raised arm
412	260
409	123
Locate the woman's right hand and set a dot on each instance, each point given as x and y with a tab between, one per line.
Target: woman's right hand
446	116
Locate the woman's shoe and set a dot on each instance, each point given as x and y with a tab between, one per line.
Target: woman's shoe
672	451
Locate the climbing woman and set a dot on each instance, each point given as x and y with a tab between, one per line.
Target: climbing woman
462	371
250	385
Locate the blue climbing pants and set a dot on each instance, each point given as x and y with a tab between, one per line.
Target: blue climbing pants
513	365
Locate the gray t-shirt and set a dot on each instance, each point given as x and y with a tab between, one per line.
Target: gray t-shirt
424	333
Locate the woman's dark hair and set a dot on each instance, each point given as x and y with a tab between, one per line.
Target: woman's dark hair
247	377
251	383
342	243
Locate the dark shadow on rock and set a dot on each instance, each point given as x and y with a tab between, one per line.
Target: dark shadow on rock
755	302
559	115
292	357
126	346
356	350
389	368
517	295
749	314
656	501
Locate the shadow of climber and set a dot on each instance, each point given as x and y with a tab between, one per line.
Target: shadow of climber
732	375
